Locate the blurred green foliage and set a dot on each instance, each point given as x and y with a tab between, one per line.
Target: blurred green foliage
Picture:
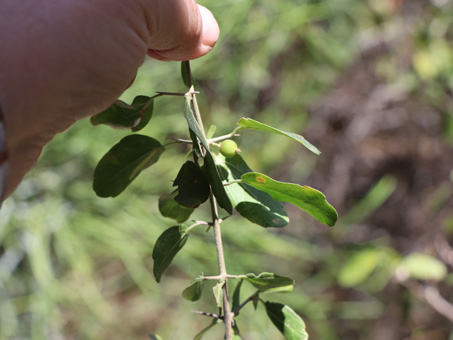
75	266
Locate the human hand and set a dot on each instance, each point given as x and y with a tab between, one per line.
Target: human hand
65	60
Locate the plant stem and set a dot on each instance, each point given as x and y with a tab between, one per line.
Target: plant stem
219	277
220	138
210	141
227	319
197	113
196	224
222	267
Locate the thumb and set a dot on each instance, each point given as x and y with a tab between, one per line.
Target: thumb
180	30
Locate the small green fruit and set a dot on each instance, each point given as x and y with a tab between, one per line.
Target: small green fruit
229	148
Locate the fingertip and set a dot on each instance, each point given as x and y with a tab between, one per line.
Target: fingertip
211	29
191	45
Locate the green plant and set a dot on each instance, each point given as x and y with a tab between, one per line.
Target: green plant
219	175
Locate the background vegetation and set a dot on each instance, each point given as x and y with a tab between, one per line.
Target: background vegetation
370	83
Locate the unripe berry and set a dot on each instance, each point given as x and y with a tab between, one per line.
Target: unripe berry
229	148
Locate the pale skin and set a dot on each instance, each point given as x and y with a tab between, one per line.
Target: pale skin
64	60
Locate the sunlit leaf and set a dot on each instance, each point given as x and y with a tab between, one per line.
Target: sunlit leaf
359	267
287	321
255	125
169	243
168	207
123	162
308	199
424	267
193	292
122	115
193	187
255	205
371	201
211	131
270	283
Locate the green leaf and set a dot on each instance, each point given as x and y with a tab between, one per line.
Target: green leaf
169	243
209	166
196	152
200	335
218	189
423	267
184	74
359	268
168	207
193	187
123	162
270	283
122	115
211	131
237	296
154	337
308	199
287	321
236	333
255	125
370	202
193	292
255	205
255	303
218	293
193	124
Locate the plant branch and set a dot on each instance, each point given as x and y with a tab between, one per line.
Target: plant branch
227	318
179	140
178	94
232	182
197	112
196	224
211	315
210	141
220	138
222	267
220	277
444	250
431	296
